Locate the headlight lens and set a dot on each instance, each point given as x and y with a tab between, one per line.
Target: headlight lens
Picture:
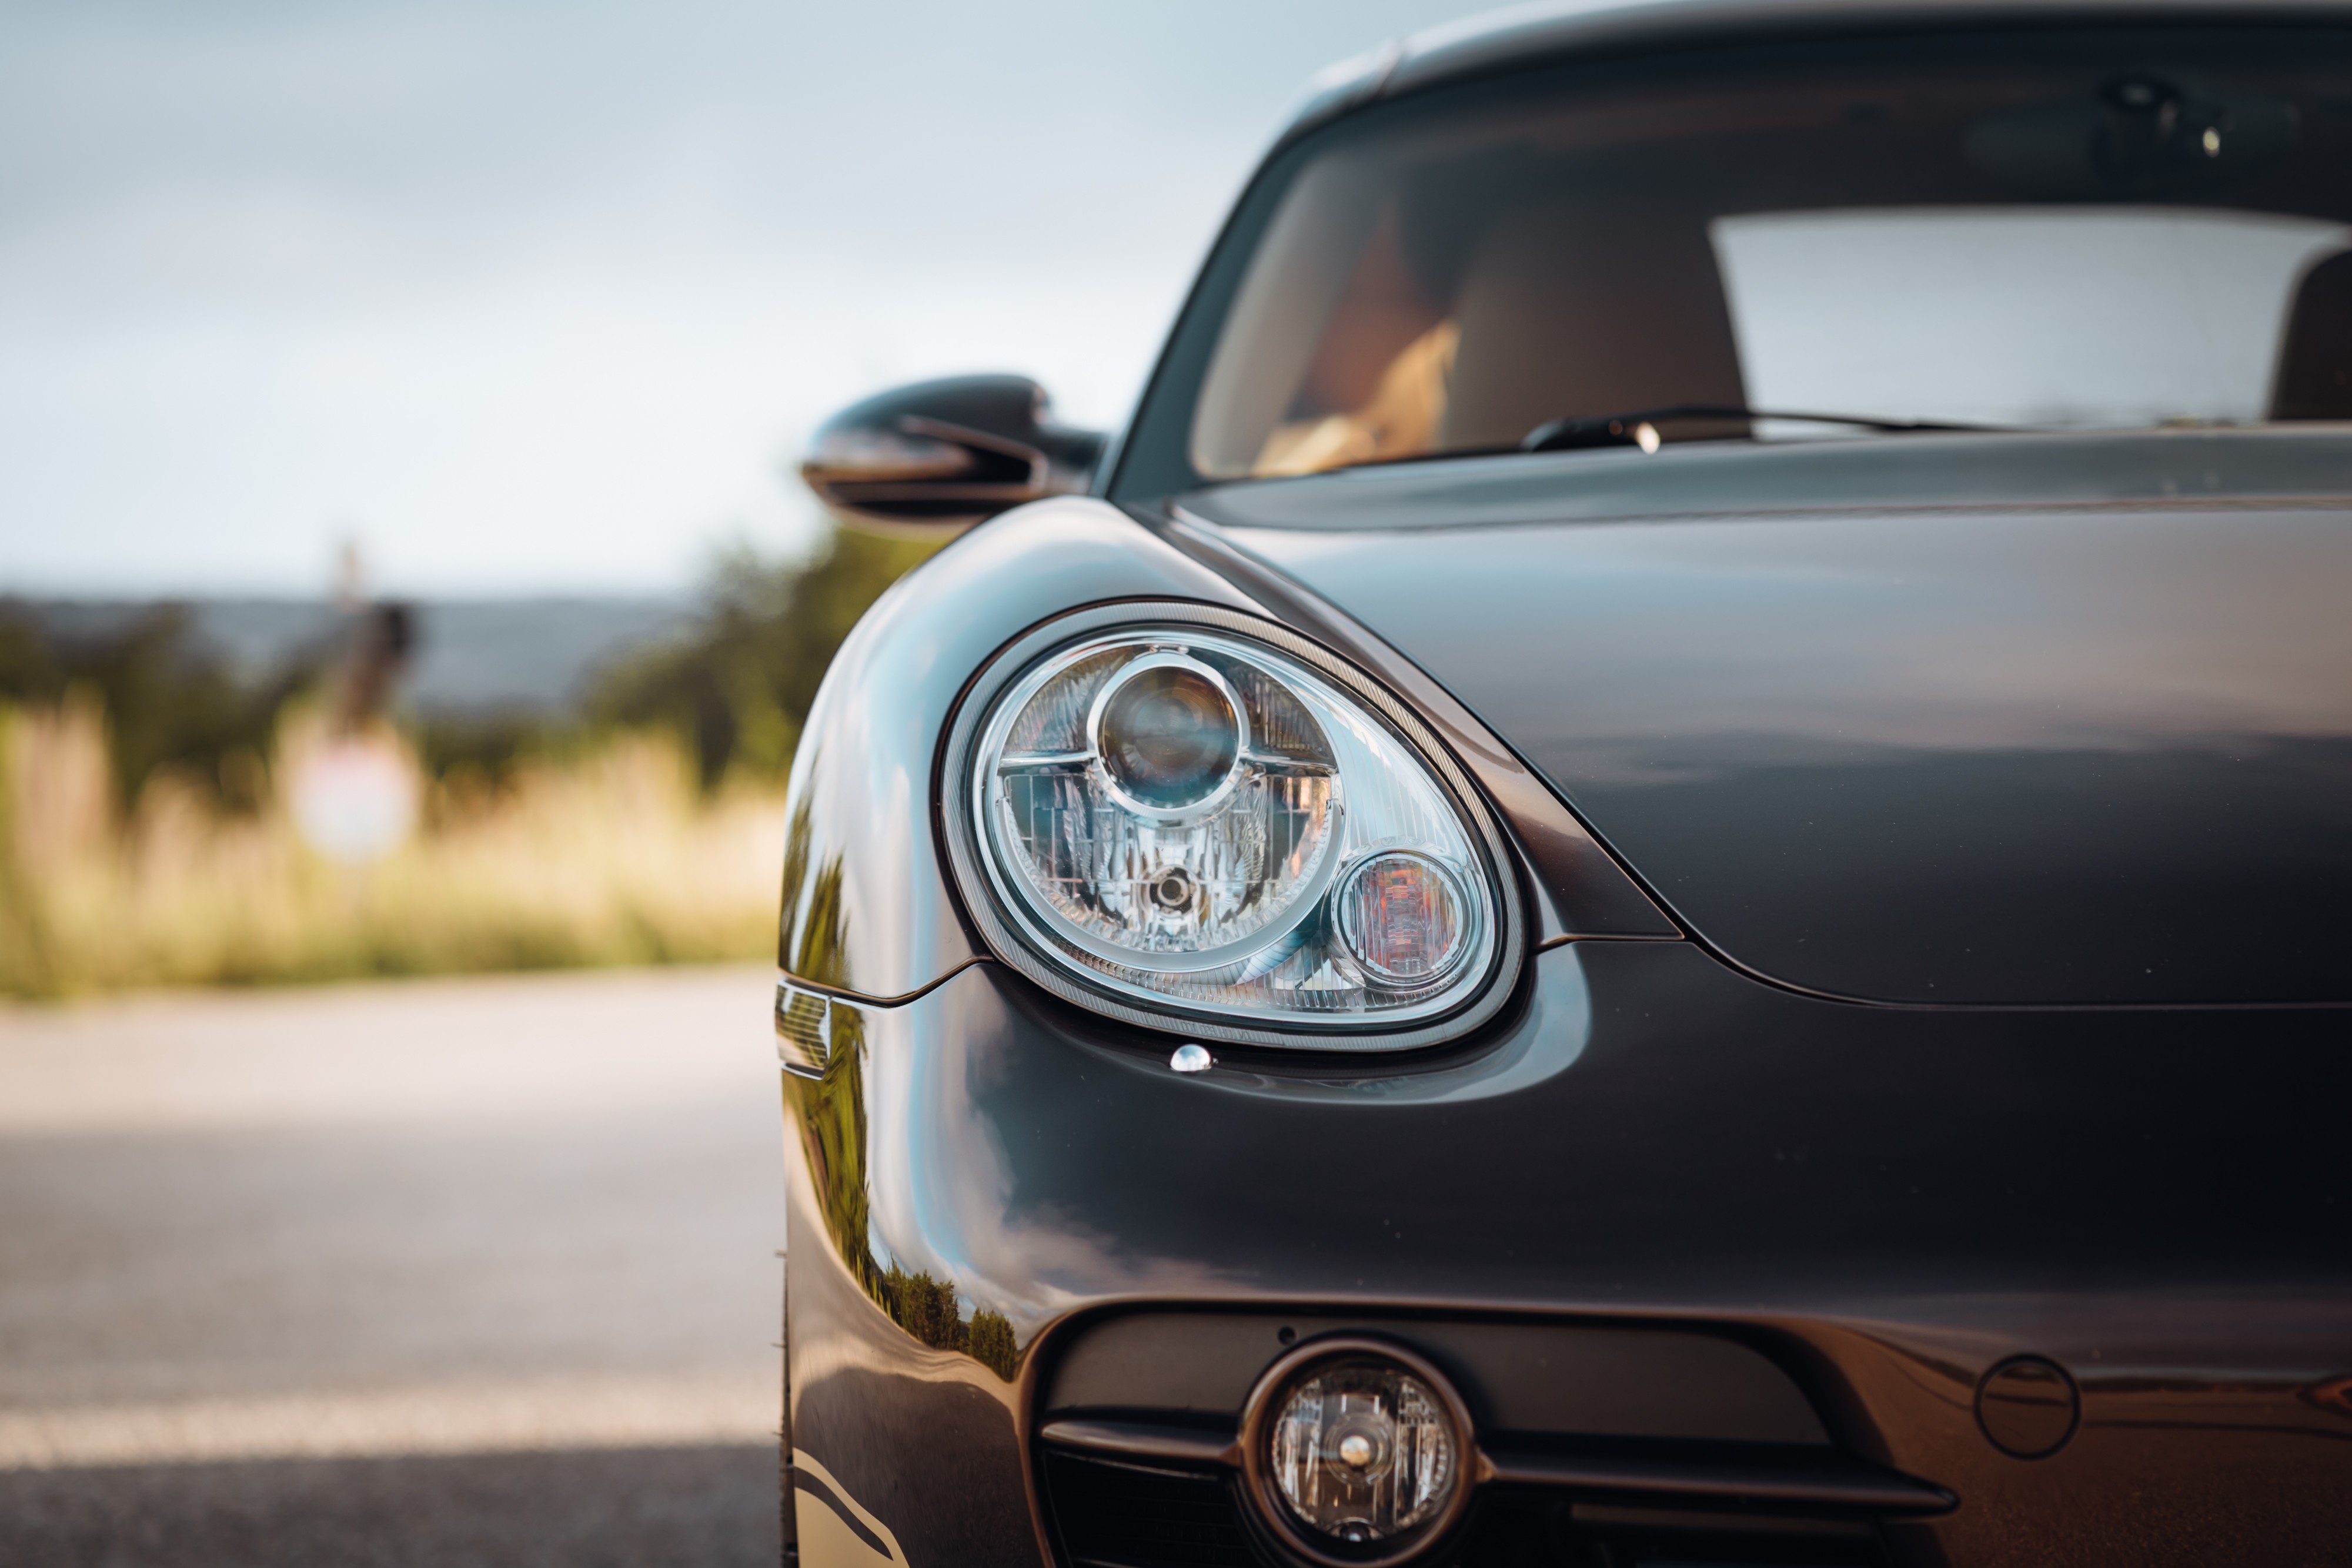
1184	816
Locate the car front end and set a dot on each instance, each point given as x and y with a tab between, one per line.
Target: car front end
1519	943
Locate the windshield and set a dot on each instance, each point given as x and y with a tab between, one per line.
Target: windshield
2057	230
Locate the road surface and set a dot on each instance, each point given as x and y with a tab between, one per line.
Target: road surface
459	1272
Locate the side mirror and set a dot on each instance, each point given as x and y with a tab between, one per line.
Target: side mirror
942	455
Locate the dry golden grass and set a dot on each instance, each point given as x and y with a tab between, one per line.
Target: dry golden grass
613	857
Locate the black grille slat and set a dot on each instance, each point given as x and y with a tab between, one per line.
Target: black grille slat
1127	1516
1114	1514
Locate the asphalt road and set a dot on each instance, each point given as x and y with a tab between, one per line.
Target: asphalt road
458	1272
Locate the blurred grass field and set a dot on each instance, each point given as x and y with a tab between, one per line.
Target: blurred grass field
612	856
147	834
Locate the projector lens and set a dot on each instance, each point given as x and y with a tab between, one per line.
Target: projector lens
1168	734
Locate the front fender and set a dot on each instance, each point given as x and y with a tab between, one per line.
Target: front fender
913	1309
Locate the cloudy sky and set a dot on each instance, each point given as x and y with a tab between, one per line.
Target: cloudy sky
526	296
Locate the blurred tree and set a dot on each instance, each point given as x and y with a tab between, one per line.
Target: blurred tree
739	687
169	701
735	689
991	1337
925	1307
479	750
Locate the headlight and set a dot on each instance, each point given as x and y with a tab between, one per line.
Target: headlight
1216	820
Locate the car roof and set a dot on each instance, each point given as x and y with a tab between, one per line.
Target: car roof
1499	40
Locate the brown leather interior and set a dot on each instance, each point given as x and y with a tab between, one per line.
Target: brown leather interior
1560	311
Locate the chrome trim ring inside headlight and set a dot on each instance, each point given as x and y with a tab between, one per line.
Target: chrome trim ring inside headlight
1172	865
1228	760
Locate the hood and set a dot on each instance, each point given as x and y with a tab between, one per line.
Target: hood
1942	720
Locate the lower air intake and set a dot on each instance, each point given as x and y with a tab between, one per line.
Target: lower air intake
1112	1515
1125	1516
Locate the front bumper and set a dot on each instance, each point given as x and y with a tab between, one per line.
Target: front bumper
1858	1211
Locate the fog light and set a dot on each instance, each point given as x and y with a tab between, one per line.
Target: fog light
1356	1452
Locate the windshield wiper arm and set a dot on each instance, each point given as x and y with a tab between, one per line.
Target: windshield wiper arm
1626	429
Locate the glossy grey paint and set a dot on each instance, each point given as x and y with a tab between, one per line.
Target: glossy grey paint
1522	36
1885	1203
2049	472
1984	722
943	454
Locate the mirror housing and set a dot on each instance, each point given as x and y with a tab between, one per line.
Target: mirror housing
938	457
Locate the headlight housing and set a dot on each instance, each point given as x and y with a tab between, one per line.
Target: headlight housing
1186	818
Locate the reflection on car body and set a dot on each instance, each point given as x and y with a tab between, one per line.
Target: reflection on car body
1657	871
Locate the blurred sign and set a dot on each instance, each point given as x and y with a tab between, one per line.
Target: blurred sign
355	798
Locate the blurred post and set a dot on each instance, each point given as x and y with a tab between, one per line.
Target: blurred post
354	788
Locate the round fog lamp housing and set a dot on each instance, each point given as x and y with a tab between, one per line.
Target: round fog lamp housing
1357	1453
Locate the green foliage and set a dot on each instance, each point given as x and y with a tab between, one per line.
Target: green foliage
138	845
833	1131
925	1308
612	856
991	1343
168	703
484	750
737	689
928	1309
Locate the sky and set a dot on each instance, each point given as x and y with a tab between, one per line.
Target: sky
522	296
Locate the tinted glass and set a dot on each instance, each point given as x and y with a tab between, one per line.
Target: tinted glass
2109	231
